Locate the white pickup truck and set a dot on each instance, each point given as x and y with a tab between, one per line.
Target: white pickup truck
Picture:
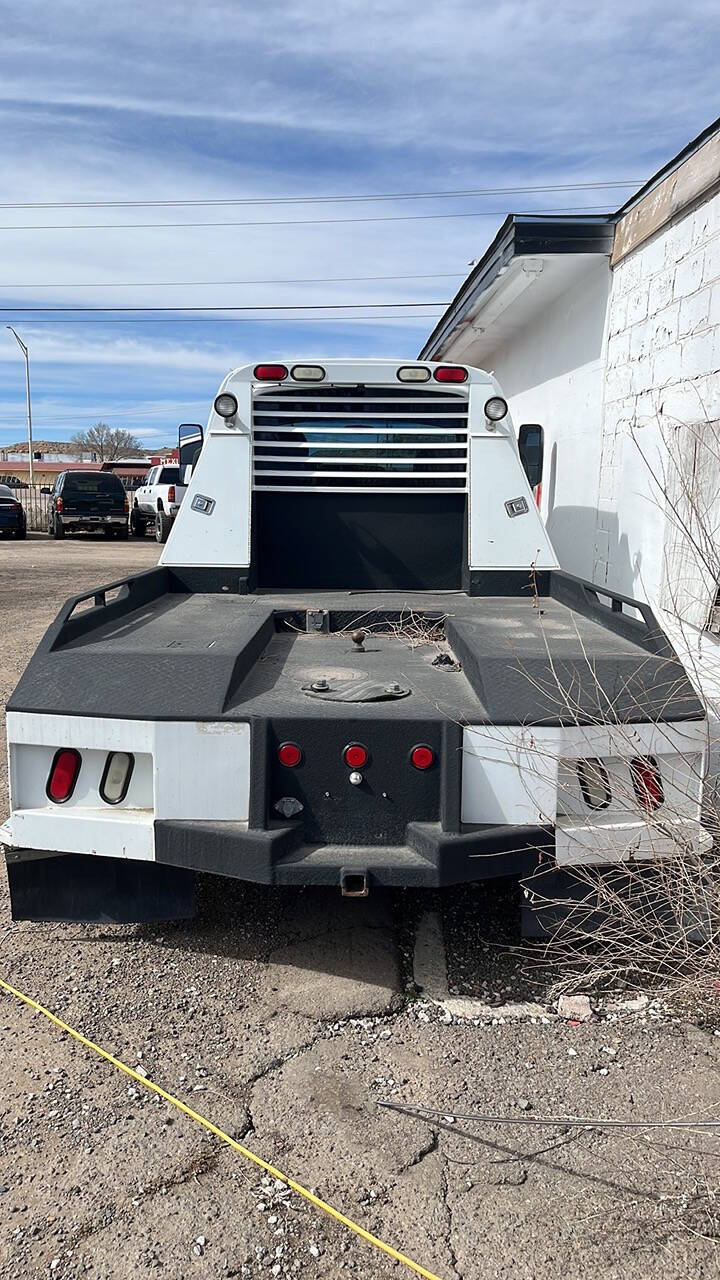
357	663
157	502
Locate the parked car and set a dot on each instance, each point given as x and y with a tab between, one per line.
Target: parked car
88	500
12	514
12	482
157	501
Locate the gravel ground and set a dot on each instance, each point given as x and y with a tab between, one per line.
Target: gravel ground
284	1016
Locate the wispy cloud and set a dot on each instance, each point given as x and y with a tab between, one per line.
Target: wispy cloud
211	100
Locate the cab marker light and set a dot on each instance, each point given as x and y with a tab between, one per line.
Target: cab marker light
270	372
307	373
63	775
413	373
116	776
450	373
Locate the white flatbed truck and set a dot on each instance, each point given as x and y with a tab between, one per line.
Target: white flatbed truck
260	705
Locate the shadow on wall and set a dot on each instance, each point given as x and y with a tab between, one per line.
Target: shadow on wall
588	542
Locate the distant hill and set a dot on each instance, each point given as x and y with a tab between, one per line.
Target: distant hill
63	447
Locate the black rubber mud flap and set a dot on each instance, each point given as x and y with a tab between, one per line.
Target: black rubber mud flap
69	887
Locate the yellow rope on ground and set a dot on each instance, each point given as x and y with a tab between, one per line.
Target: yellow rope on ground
224	1137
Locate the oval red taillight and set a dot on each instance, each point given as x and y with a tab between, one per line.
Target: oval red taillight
647	782
289	754
356	756
450	373
270	372
63	775
422	757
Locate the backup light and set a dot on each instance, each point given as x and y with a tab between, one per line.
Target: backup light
116	776
495	408
290	755
450	373
594	783
422	757
226	404
413	373
63	775
270	372
647	782
307	372
356	755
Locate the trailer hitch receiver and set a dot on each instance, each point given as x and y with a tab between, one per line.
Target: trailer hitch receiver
354	884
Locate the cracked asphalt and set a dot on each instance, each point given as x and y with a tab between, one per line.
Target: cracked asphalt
284	1016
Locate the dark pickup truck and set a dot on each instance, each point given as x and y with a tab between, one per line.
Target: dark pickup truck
85	501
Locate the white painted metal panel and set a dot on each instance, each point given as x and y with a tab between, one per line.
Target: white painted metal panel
106	833
607	840
510	773
498	540
202	771
182	770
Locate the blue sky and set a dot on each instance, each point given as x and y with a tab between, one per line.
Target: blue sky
249	100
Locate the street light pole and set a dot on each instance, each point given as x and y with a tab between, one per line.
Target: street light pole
24	350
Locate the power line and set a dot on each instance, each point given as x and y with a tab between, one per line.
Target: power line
172	284
279	306
293	320
289	222
255	200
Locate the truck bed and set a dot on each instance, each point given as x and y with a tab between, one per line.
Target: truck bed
152	647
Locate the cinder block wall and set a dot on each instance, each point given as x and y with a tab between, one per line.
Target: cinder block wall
660	454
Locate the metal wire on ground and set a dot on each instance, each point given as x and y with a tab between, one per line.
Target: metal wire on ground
150	1085
432	1113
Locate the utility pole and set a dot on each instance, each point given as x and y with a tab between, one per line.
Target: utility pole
24	350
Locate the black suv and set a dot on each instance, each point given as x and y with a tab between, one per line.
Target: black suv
88	500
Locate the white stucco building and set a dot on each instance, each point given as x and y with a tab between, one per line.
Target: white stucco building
606	330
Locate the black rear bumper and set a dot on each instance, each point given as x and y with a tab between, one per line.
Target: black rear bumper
430	858
57	886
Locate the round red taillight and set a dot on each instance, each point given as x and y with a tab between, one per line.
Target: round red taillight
422	757
270	372
356	756
450	373
290	754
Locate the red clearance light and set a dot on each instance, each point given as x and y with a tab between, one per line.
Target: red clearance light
64	772
647	782
450	373
356	756
422	757
290	755
270	372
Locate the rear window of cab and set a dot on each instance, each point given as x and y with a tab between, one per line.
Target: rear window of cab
93	482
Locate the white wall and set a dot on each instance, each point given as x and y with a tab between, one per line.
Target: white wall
660	421
552	372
